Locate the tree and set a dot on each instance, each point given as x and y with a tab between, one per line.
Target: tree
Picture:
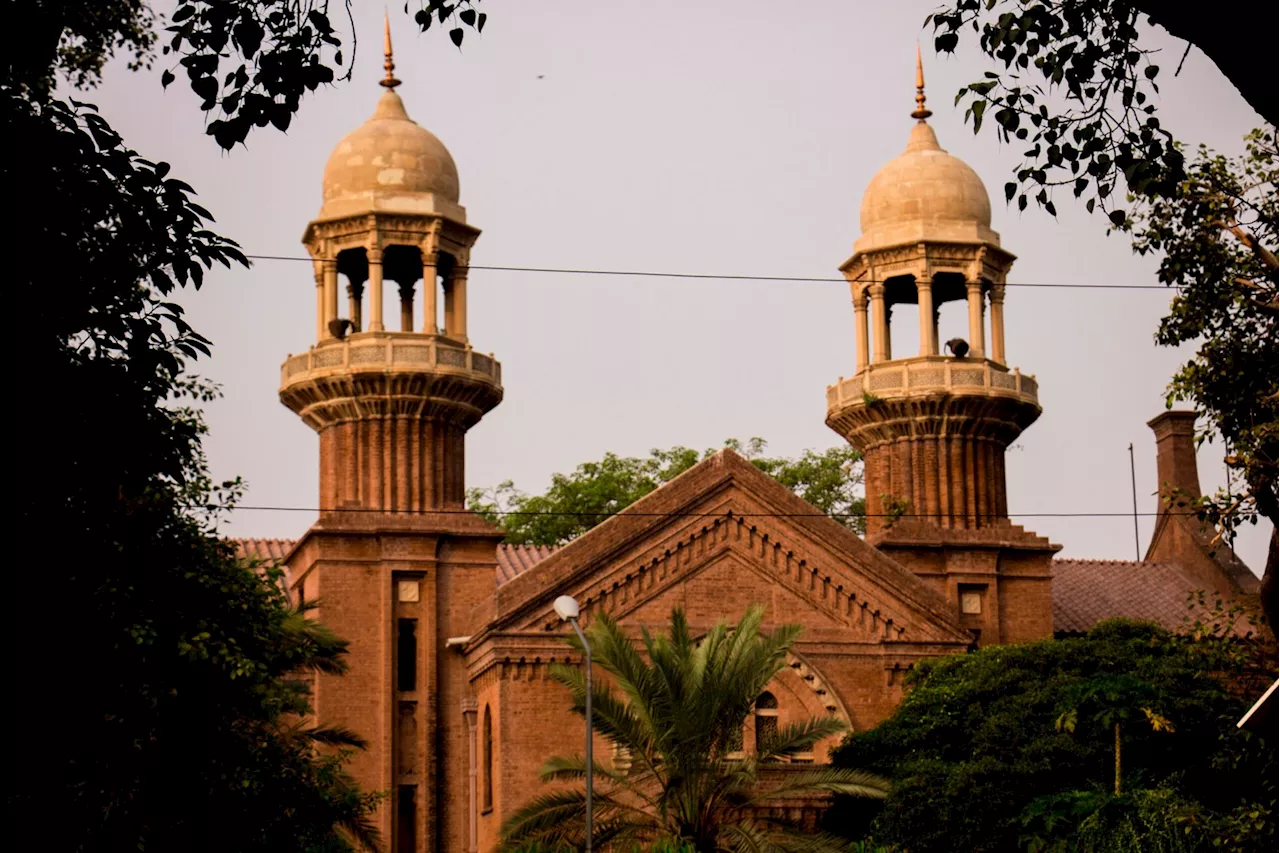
163	680
1076	85
678	711
1077	82
1216	238
250	61
982	755
575	503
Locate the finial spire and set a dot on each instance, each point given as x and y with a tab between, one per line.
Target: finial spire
390	80
921	112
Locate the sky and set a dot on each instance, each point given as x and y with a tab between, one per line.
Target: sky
721	137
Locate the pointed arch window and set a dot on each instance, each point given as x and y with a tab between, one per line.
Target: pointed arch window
766	714
486	735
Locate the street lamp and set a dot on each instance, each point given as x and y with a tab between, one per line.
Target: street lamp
566	608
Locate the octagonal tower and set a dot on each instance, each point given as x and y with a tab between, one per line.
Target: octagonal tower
392	407
395	560
933	427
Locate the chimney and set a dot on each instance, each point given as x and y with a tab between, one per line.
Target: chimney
1175	454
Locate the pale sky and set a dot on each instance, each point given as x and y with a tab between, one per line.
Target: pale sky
722	136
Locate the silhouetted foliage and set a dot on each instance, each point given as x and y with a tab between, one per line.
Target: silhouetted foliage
162	683
1013	747
249	61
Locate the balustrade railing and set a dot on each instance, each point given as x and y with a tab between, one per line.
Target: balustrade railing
932	374
390	351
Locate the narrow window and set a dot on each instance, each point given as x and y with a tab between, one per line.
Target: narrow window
766	719
407	656
406	820
487	741
733	744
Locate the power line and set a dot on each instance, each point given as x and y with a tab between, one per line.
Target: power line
720	514
735	277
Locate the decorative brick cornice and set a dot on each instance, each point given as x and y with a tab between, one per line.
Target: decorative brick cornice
670	563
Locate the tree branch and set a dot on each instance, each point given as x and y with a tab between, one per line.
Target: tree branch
1246	55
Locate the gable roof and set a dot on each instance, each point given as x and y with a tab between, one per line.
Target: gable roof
724	499
1085	592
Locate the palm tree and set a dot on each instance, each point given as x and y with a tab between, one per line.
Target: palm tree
678	710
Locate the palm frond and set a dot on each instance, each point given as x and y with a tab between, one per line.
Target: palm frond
830	780
336	736
800	736
562	768
557	817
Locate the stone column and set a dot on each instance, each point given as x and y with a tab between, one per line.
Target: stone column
430	287
879	325
375	290
977	345
928	329
860	327
473	805
997	323
322	330
355	292
330	294
455	318
406	307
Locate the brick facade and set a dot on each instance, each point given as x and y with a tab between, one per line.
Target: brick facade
452	635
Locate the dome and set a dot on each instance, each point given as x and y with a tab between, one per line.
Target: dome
925	194
389	164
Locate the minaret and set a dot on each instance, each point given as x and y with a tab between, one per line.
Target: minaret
394	559
933	426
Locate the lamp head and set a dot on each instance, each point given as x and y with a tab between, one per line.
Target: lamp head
566	607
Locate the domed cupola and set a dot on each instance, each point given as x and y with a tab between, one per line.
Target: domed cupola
392	401
925	194
932	425
389	164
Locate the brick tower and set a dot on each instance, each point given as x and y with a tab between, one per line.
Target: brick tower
934	427
394	559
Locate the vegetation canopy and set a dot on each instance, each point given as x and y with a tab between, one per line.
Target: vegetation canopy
1077	744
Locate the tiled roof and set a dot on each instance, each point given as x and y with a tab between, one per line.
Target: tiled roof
1084	591
269	550
512	559
517	559
1087	591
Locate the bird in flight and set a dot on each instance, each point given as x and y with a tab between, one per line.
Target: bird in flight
540	76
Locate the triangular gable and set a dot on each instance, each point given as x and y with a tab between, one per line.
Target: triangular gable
722	509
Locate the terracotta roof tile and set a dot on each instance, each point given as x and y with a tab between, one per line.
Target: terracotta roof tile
270	550
512	559
517	559
1086	592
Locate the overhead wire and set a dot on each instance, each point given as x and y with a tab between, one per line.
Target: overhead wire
639	514
742	277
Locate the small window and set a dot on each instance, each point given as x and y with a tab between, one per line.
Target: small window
407	819
407	656
971	603
766	719
733	743
486	735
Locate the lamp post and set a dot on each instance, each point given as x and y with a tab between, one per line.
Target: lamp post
566	608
